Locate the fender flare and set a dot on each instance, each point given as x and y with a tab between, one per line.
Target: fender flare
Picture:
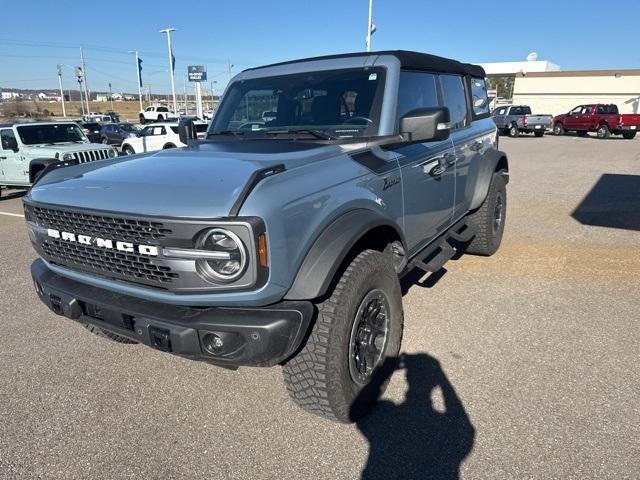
39	167
332	246
494	160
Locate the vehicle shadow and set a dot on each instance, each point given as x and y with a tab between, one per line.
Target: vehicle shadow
11	193
613	202
427	436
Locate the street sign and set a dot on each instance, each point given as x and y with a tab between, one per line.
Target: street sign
197	73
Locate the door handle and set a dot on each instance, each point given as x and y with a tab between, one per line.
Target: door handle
3	158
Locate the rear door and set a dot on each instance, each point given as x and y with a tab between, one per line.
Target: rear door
427	193
471	139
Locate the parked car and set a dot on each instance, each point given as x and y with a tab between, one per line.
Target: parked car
116	133
155	114
97	118
28	149
283	245
115	117
513	120
92	131
604	119
156	136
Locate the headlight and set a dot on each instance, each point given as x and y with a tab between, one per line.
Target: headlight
112	153
228	258
67	156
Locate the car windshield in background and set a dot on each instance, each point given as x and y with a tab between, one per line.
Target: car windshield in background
58	133
323	104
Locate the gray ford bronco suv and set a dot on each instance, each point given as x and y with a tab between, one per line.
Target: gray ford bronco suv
282	241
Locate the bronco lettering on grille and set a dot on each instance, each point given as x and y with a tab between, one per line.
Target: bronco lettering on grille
126	247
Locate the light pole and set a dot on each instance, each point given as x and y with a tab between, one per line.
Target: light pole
371	28
80	74
139	79
171	60
64	112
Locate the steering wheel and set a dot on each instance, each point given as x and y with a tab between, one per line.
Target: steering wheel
358	121
250	125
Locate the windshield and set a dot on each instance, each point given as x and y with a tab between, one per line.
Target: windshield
57	133
127	127
339	103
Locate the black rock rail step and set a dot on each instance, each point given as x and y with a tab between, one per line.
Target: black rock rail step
443	249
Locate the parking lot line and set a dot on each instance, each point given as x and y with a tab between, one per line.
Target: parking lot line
12	214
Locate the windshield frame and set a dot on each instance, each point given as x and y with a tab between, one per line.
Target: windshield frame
21	129
220	126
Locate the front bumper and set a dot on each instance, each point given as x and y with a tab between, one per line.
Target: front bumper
231	337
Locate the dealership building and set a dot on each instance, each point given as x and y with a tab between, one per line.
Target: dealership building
548	89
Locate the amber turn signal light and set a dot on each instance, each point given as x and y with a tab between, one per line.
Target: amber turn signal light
262	250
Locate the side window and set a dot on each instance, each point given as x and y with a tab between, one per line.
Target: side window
576	110
7	137
417	90
526	110
479	95
174	129
455	99
500	111
586	110
600	109
149	109
515	111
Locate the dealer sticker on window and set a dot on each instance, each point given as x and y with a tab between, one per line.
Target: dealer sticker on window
373	76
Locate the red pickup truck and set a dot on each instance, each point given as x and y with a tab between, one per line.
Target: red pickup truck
600	118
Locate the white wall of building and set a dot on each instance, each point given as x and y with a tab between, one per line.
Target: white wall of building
558	92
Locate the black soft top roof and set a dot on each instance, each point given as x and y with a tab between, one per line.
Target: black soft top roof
408	60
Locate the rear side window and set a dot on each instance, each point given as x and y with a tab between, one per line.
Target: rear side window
500	111
417	90
526	110
479	96
455	99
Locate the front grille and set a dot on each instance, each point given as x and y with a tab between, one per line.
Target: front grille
112	263
91	155
134	267
123	229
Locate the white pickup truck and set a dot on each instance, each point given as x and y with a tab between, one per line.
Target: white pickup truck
156	114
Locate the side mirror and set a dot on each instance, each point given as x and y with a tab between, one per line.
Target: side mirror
10	143
426	125
187	130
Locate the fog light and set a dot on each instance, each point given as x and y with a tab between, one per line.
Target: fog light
212	343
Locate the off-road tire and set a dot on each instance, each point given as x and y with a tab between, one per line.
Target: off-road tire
558	130
629	135
108	335
318	378
142	119
513	131
160	118
538	134
603	132
488	238
104	141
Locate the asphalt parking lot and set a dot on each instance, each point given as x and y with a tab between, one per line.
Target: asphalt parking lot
522	365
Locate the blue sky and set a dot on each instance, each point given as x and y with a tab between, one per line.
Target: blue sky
38	34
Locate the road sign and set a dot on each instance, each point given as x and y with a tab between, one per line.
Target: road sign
197	73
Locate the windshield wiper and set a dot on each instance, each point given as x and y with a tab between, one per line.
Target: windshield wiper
235	133
311	131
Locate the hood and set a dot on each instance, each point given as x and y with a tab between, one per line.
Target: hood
61	148
197	182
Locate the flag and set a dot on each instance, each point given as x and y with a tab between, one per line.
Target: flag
173	62
140	71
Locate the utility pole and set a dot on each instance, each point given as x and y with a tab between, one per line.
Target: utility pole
111	96
370	26
79	74
84	71
229	67
171	60
64	112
